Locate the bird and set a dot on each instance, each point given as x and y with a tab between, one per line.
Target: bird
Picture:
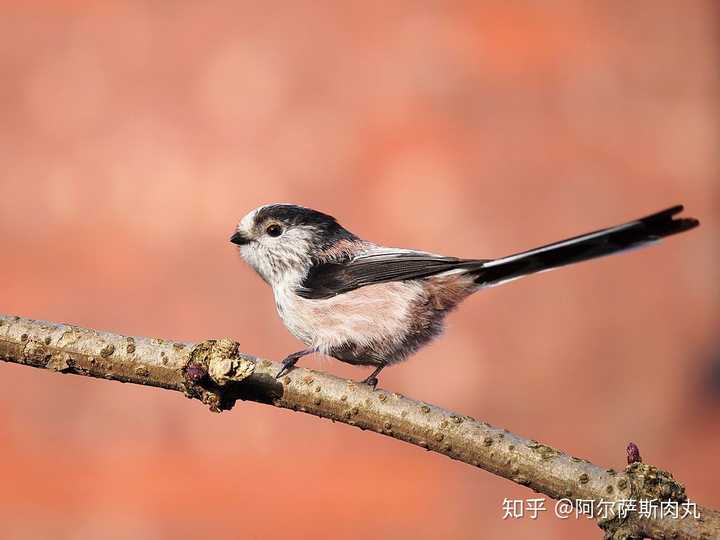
371	305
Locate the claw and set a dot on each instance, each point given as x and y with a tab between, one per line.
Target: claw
287	365
371	381
283	370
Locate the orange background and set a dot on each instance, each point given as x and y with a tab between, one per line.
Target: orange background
134	136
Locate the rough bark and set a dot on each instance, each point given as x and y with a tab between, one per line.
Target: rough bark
218	374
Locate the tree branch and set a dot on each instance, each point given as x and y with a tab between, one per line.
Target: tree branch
216	373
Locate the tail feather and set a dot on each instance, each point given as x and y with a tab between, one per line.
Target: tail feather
623	237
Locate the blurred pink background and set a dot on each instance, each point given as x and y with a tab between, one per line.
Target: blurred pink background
135	135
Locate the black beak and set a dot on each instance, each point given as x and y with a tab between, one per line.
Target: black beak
239	239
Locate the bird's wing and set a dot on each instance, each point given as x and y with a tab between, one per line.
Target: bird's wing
380	265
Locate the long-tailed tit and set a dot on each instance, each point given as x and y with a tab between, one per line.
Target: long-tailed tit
366	304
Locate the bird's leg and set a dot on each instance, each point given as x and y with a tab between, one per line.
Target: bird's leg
291	360
372	379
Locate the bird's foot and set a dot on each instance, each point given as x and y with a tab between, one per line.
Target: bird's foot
371	381
291	360
287	365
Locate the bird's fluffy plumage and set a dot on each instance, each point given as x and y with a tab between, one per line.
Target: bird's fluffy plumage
367	304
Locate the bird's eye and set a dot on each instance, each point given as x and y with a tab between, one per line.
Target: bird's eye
274	230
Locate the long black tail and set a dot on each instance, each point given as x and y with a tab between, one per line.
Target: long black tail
587	246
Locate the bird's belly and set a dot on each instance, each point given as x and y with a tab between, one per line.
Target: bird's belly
363	316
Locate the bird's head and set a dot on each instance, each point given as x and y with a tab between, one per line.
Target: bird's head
281	241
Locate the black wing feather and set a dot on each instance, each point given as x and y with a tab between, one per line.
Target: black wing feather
327	279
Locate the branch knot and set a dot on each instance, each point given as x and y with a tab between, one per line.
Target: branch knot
213	365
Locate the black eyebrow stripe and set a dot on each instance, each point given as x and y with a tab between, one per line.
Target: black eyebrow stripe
294	215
